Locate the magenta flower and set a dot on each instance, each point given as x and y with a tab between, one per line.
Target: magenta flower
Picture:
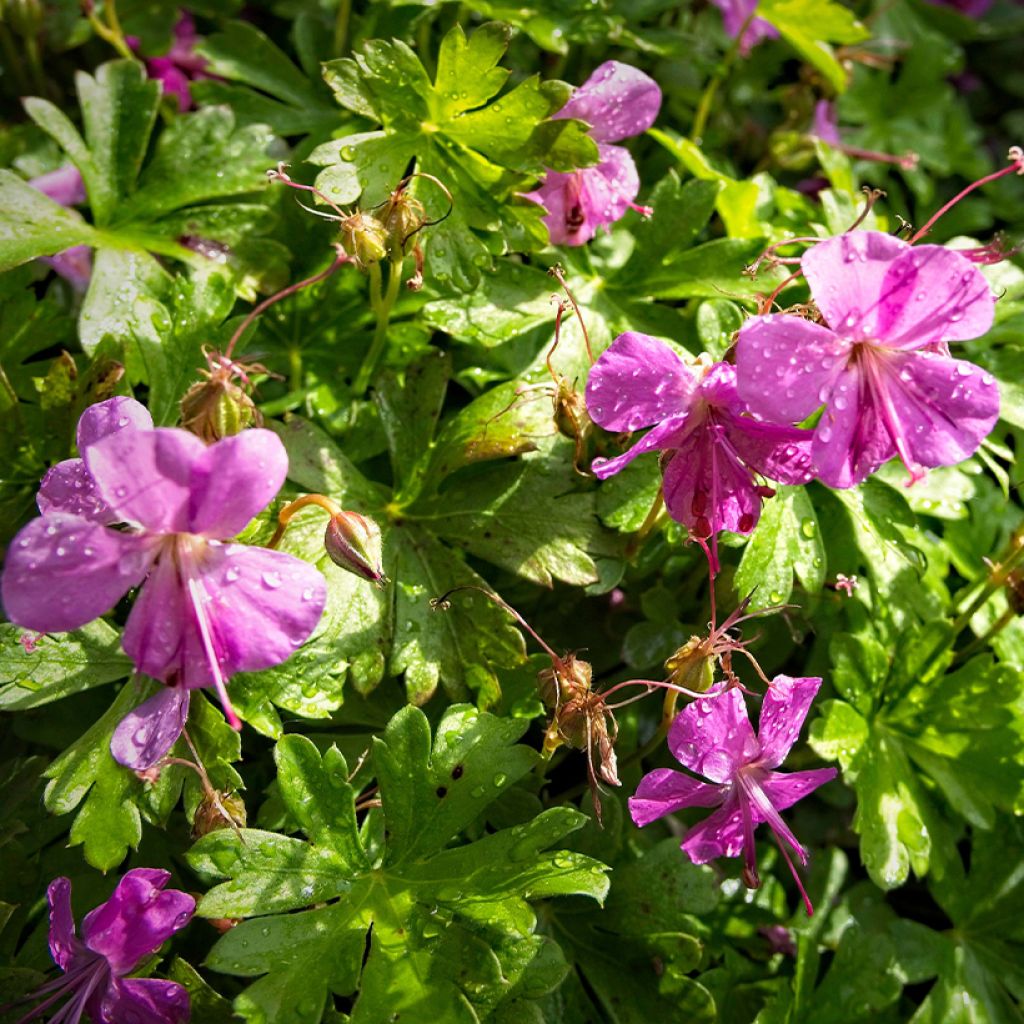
65	186
735	14
617	101
881	367
968	8
181	65
208	608
116	936
715	451
713	737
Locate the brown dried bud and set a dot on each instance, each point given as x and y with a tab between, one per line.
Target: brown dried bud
567	681
364	238
693	665
402	216
571	416
354	543
218	809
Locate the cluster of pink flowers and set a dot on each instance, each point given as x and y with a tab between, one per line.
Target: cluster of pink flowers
875	361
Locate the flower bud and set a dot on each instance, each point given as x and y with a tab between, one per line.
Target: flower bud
692	665
354	543
564	682
218	810
402	216
217	408
364	238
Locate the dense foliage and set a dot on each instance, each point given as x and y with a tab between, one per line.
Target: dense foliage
381	655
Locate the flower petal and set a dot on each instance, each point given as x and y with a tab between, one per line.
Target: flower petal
783	364
64	943
617	101
234	480
851	439
664	435
111	417
145	475
145	1001
784	789
145	735
780	453
263	604
665	791
63	185
137	919
713	737
942	409
783	712
63	571
68	487
846	275
734	16
74	265
638	381
720	834
932	294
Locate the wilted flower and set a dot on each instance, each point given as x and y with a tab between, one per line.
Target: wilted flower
208	608
713	450
736	14
65	186
713	738
116	936
617	101
881	367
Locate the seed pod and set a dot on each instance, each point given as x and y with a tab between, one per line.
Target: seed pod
217	408
693	664
566	681
354	543
216	810
402	216
364	238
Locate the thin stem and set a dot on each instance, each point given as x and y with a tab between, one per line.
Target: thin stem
654	684
707	98
980	641
285	515
380	334
556	273
111	32
341	20
1016	166
654	517
340	258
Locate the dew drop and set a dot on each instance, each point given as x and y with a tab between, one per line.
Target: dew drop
271	580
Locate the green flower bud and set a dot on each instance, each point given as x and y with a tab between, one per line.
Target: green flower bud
364	238
218	408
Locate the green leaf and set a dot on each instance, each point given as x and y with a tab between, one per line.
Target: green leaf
33	225
786	544
809	26
49	668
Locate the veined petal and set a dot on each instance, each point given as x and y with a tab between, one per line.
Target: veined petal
720	834
780	453
638	381
617	101
846	275
784	364
734	16
665	791
64	943
68	487
145	1001
783	712
941	409
713	737
785	788
234	480
145	735
664	435
852	438
707	487
137	919
63	571
111	417
263	604
145	475
932	294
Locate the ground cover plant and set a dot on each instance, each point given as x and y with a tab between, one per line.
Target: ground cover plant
511	512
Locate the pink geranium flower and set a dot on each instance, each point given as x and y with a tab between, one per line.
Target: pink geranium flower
181	65
207	608
881	366
713	738
116	937
65	186
736	14
714	451
617	101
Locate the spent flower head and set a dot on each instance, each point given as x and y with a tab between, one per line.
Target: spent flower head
155	507
713	737
617	101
